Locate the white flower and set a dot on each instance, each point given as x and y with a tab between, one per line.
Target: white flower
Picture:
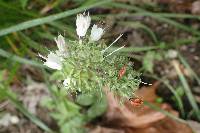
62	47
82	24
96	33
66	82
14	119
53	61
172	54
60	41
8	119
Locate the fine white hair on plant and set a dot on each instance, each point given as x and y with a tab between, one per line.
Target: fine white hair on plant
113	42
96	33
114	51
53	61
82	24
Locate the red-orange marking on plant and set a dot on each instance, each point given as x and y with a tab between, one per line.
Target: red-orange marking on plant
122	71
136	102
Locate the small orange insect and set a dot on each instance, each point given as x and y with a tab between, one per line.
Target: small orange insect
136	101
122	71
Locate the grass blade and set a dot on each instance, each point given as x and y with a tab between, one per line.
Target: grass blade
189	68
31	43
20	59
178	99
142	26
156	16
39	21
176	95
166	15
187	90
164	112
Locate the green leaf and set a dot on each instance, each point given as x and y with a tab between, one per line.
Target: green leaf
74	125
97	109
180	91
1	75
148	61
2	93
47	102
85	99
23	3
57	76
159	100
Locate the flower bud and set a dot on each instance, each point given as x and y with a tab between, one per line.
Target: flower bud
60	41
96	33
82	24
62	47
53	61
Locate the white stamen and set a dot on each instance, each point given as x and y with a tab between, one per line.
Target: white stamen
112	43
145	83
114	51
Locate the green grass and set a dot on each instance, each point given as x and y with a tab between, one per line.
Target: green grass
138	25
48	19
158	17
15	58
177	97
187	90
164	112
188	67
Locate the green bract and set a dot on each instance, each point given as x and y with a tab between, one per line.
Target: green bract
88	70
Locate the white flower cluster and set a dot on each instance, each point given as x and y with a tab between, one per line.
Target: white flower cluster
54	59
83	23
